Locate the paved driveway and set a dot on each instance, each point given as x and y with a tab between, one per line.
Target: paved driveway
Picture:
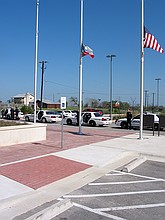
118	195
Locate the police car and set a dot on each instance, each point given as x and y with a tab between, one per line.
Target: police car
135	122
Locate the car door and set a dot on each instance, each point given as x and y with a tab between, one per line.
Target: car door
86	118
135	123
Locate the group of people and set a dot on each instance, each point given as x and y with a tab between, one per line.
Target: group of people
10	113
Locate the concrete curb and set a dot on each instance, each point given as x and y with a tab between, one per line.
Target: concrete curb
52	211
133	164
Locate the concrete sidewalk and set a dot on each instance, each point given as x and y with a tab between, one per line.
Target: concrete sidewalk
34	175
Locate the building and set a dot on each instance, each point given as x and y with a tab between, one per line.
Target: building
48	104
23	99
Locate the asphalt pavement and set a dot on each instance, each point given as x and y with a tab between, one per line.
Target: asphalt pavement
34	175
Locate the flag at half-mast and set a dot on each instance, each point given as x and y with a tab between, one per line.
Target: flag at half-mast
151	42
85	50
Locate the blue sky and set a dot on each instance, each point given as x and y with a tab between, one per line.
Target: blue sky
110	27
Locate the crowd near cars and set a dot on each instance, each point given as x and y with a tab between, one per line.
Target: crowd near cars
91	117
11	113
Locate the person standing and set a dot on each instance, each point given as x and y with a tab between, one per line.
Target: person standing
12	114
129	118
16	113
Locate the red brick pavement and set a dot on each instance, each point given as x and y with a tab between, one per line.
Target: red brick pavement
53	142
36	173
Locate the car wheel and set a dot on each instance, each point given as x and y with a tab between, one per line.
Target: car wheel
27	118
44	120
69	122
92	123
124	125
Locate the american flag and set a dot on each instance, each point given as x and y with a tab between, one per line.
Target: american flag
151	42
85	50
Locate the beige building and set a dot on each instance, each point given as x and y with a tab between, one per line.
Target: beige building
23	99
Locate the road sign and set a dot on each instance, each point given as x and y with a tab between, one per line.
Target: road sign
63	102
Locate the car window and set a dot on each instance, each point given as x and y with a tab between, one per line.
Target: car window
137	117
97	114
50	113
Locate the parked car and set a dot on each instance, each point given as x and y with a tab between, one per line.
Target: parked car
93	110
43	116
66	112
88	118
135	122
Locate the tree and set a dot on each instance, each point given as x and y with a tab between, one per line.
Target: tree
73	101
94	103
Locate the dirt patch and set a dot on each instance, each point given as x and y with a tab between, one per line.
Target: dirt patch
4	123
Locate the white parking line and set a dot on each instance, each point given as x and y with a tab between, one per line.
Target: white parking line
137	175
113	194
98	212
128	182
131	207
23	160
115	174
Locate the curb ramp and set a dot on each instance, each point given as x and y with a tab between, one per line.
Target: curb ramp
133	164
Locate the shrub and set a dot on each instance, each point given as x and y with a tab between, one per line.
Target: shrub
27	109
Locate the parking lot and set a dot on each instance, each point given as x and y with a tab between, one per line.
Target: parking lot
139	195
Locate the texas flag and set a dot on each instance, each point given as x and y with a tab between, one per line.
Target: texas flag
85	50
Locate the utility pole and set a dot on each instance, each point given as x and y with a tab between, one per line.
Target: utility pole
158	79
145	104
42	81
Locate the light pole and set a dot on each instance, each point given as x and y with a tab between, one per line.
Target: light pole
158	79
111	56
36	60
153	99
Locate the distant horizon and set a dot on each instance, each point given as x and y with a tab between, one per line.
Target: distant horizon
133	104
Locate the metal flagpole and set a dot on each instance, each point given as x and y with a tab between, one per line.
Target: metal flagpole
142	72
80	68
36	60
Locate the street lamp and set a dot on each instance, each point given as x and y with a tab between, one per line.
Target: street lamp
158	79
111	56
